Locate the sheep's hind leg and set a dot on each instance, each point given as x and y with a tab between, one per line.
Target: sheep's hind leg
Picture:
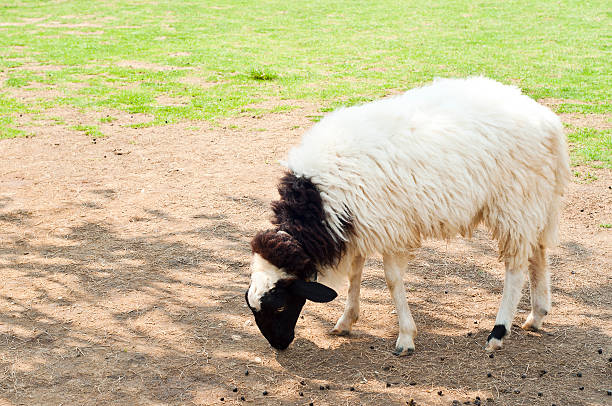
351	310
513	287
394	269
539	287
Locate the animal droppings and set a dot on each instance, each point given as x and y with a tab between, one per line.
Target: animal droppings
321	387
517	391
411	402
352	389
540	394
301	393
234	389
371	347
222	399
543	372
491	356
581	388
265	392
327	386
440	393
412	383
523	376
579	374
489	374
388	385
242	398
246	373
600	351
302	382
610	393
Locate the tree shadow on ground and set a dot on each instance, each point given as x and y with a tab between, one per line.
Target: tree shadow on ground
91	315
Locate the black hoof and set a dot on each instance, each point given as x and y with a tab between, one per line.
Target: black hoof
400	352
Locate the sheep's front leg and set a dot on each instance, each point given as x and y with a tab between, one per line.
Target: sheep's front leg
513	287
394	270
351	310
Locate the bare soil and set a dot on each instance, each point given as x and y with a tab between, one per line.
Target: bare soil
124	263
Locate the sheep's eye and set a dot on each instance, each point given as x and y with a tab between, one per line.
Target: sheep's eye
280	309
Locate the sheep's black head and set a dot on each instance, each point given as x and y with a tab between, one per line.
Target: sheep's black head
276	295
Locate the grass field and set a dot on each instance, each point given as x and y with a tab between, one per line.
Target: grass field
193	60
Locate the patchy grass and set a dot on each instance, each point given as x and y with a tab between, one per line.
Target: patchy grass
591	146
125	55
90	130
262	74
8	110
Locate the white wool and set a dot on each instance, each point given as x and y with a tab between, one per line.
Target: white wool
436	161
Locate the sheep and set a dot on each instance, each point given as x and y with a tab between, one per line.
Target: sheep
434	162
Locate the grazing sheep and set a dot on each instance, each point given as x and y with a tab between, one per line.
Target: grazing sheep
381	177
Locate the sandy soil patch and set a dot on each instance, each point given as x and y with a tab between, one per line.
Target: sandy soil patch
124	264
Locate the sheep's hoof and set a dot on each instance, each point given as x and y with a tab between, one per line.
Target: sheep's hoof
531	324
529	327
401	352
493	345
340	333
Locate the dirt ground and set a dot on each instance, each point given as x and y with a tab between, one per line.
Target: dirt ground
124	263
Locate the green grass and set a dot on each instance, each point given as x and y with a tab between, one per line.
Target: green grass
124	55
591	146
90	130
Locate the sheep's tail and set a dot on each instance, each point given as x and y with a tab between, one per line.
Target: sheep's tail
562	174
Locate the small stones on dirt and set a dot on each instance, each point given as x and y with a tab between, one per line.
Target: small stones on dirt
540	394
371	347
523	376
302	382
234	389
265	393
489	374
352	389
246	373
610	359
411	402
242	398
321	387
543	372
469	334
610	393
600	351
413	383
301	394
491	356
579	374
222	399
517	391
440	393
456	403
581	388
388	385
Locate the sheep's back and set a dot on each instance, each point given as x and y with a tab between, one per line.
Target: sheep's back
433	162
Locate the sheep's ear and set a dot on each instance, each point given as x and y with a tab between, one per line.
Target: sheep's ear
313	291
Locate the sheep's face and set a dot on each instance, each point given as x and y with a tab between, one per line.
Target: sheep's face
276	300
